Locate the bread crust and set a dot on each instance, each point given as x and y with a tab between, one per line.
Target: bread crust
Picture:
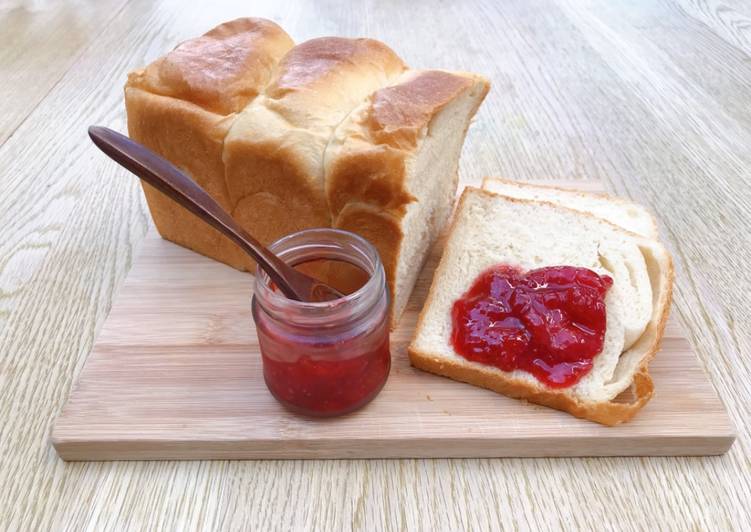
399	113
220	71
182	106
320	63
372	168
608	413
192	139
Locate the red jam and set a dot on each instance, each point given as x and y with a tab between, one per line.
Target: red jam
325	358
322	380
549	322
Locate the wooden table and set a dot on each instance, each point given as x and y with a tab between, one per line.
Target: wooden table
650	97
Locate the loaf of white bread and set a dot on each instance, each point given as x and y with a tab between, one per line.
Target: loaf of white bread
532	227
332	132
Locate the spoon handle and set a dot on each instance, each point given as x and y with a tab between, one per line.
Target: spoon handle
162	175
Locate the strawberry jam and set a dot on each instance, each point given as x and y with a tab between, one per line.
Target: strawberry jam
549	322
325	358
326	378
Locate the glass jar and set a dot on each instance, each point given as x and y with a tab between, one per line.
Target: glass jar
324	358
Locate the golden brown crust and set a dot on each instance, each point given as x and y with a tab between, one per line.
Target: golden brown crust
399	113
607	413
182	107
315	61
271	192
268	166
222	70
192	139
373	175
381	229
372	169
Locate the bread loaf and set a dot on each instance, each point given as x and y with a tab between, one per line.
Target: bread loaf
491	229
182	106
274	150
331	132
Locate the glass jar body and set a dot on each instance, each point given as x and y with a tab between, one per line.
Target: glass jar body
330	358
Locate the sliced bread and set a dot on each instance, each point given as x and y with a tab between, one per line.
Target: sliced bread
490	229
631	216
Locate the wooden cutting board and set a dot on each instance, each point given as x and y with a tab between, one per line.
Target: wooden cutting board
176	374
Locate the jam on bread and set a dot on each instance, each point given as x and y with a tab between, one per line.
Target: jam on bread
549	322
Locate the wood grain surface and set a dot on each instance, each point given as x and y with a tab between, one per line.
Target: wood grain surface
176	373
651	97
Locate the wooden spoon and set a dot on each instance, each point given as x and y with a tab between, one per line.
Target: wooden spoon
162	175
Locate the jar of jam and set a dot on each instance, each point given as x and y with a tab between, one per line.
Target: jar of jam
325	358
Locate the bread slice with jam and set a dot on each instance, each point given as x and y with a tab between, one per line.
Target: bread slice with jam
491	231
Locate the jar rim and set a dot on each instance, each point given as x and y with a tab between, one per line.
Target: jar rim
316	242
